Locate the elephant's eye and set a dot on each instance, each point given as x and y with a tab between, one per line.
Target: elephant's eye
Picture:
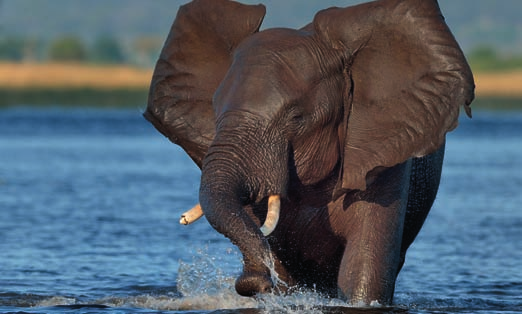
294	112
298	119
296	123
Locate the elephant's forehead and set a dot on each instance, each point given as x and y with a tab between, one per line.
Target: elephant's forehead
279	49
252	89
270	68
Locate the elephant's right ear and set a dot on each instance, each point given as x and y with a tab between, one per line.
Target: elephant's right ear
406	81
194	60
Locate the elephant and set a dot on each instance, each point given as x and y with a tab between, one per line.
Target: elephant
320	148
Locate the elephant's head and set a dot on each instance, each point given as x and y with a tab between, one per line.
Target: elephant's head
269	113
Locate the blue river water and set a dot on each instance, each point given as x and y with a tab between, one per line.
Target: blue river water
90	201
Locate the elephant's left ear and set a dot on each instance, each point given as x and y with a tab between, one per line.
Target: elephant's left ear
407	78
195	58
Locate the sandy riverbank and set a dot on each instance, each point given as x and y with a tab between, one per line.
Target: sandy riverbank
56	75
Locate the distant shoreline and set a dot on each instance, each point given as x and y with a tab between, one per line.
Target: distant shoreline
499	84
121	85
73	84
73	75
71	97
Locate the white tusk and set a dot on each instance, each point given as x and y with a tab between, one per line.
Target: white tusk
191	215
272	215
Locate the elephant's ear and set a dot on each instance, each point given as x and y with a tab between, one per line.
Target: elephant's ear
194	60
407	78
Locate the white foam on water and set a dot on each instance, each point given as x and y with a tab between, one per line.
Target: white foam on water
205	285
56	300
297	301
201	302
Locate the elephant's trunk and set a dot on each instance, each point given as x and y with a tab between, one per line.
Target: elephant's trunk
220	199
235	175
272	215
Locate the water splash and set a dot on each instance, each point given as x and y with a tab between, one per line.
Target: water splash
56	300
294	300
205	279
204	275
299	301
206	283
196	302
274	276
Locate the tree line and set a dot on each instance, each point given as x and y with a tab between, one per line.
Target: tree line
487	58
141	51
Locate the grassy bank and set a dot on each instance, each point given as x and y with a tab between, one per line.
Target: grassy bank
497	103
55	84
137	98
72	75
110	86
499	84
80	96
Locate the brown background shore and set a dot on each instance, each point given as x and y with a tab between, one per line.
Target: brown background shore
21	76
62	75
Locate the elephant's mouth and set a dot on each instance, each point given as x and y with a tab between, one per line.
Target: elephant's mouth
272	215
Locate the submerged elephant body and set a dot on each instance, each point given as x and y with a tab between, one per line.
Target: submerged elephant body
343	122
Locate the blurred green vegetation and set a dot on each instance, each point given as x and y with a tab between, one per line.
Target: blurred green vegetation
145	50
137	98
71	48
107	49
89	97
497	103
487	59
68	48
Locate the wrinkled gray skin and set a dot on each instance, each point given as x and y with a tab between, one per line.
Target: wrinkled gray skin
345	119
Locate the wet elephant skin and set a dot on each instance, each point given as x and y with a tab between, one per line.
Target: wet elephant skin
343	120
